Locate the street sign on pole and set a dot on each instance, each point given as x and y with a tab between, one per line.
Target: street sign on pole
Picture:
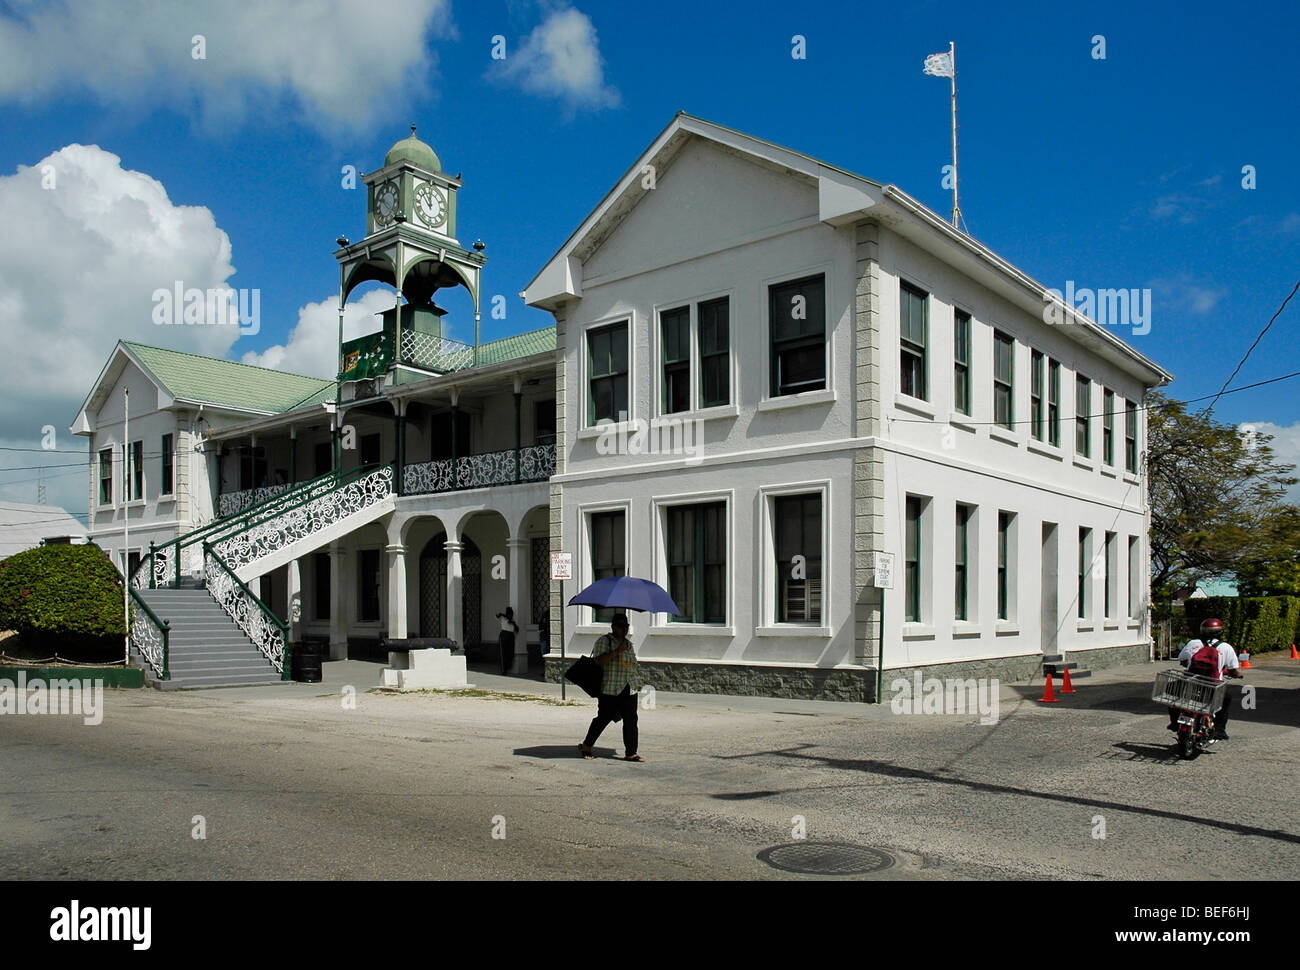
884	572
562	569
561	565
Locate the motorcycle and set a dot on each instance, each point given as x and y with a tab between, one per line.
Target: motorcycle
1197	699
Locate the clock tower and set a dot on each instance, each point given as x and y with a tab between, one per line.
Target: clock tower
411	245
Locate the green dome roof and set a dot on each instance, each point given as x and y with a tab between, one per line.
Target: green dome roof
412	150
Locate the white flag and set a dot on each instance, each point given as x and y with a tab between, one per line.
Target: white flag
939	65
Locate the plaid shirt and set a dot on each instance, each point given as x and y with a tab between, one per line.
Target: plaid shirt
621	670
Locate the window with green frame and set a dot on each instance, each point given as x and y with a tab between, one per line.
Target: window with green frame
798	548
1036	368
961	361
961	577
1082	416
168	465
1108	427
135	473
1004	563
715	352
1130	437
1054	402
797	311
697	561
675	328
608	556
913	326
607	373
1085	538
106	477
1004	352
912	560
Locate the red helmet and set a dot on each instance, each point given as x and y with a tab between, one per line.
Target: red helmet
1212	627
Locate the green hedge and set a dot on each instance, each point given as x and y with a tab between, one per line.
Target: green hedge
66	599
1256	624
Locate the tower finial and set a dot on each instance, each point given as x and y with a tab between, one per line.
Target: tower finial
412	131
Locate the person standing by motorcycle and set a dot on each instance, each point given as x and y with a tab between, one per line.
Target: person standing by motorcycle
1210	656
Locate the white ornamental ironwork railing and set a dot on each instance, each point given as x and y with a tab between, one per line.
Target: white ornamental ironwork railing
149	637
536	464
300	521
434	353
250	614
232	503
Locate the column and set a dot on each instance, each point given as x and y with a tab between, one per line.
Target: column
338	608
397	629
455	622
293	596
520	599
293	456
399	449
518	399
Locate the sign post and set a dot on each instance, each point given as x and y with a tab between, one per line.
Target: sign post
883	579
562	569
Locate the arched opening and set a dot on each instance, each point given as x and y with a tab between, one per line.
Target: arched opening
433	590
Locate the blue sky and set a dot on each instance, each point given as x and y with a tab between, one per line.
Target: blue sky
1124	172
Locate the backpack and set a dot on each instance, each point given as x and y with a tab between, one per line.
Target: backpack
1205	662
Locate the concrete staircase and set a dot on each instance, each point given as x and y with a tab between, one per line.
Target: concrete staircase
206	648
1055	663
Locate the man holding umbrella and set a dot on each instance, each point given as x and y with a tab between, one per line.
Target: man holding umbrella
613	652
618	689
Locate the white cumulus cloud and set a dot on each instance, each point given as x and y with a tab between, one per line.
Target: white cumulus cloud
335	60
561	59
86	245
1285	445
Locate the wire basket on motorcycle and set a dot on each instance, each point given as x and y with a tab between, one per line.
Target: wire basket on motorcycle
1188	692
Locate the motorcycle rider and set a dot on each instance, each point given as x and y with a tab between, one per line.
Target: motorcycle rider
1210	656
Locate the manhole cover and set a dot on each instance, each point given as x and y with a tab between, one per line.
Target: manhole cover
826	858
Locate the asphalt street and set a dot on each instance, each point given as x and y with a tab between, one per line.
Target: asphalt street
338	781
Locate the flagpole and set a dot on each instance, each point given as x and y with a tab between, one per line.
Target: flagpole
952	56
126	523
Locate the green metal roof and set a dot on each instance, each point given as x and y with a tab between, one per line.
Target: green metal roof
225	383
520	345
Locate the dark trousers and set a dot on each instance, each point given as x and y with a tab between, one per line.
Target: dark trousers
507	651
609	706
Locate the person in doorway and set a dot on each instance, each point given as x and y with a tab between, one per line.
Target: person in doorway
507	639
618	690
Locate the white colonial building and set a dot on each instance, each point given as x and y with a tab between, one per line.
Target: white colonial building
771	370
767	376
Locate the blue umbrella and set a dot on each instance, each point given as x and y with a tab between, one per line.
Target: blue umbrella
628	593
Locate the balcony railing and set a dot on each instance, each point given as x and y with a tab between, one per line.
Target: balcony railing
439	354
536	463
232	503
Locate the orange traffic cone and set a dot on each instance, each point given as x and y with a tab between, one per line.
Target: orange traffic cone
1245	661
1294	655
1049	692
1065	684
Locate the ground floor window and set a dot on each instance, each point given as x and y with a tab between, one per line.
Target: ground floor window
608	553
798	534
697	561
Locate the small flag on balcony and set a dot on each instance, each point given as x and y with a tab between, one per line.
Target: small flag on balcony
940	65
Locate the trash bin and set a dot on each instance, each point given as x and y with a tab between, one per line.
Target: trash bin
306	663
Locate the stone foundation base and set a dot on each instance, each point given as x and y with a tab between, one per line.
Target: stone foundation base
806	683
849	684
1103	657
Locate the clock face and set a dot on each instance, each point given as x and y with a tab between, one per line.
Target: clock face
430	205
385	203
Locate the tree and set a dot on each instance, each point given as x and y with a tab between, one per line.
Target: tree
1215	497
63	599
1280	575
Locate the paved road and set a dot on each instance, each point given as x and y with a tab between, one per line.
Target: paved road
292	782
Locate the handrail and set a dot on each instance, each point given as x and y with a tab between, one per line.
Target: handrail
285	661
164	627
215	529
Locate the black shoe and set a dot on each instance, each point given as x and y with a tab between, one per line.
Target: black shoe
1221	735
1172	727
